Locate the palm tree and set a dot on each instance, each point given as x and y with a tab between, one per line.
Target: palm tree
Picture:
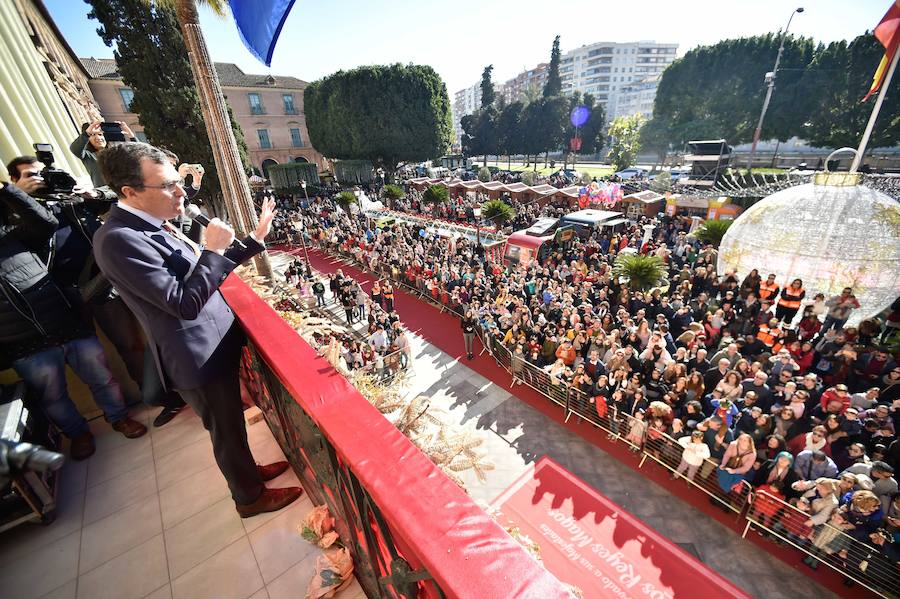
712	231
642	272
436	194
235	186
344	199
497	212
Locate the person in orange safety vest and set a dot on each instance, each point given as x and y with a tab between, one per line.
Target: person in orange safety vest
771	335
789	302
768	289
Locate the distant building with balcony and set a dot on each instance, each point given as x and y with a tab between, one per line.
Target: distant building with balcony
527	84
465	101
623	77
269	110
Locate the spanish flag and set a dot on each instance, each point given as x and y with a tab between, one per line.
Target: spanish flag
888	33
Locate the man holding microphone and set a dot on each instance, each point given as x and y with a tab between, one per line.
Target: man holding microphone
172	286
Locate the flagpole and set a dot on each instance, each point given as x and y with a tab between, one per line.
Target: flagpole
875	109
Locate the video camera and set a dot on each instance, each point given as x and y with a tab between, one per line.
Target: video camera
17	458
58	184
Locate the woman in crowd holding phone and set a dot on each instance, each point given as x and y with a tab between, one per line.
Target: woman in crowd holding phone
93	139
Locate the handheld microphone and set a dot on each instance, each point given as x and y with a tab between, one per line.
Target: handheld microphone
193	212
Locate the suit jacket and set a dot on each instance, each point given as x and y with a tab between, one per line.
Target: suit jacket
173	293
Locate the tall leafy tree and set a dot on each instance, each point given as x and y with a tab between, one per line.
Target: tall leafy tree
509	129
470	141
625	133
532	116
152	60
833	85
547	121
531	93
574	100
655	136
553	87
487	87
383	113
487	132
717	91
592	131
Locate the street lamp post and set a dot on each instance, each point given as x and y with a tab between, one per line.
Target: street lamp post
477	213
770	82
302	229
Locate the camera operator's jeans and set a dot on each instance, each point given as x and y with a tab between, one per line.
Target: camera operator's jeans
45	373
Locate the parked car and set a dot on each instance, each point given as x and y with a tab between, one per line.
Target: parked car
680	173
631	173
569	176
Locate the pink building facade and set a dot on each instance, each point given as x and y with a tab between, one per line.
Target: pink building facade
268	108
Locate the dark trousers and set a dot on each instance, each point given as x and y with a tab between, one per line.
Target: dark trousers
785	314
218	403
123	330
152	390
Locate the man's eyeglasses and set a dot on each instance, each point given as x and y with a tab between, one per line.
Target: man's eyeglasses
169	187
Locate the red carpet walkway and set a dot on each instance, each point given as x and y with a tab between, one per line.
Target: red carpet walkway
442	329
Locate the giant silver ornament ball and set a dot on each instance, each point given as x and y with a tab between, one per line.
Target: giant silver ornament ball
832	234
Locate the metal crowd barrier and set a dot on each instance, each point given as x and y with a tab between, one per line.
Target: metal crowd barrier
666	451
859	561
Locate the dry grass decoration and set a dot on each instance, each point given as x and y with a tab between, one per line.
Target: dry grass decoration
426	425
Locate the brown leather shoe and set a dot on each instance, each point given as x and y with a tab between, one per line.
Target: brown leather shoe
82	447
132	429
271	500
273	470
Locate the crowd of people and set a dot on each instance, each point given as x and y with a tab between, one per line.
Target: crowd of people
382	348
757	379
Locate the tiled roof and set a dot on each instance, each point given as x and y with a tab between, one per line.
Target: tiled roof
230	75
100	68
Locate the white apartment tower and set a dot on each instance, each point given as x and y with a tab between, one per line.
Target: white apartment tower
465	101
623	77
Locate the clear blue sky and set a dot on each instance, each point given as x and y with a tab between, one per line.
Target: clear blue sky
460	37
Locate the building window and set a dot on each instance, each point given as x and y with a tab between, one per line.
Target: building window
141	136
263	135
256	106
289	107
127	98
296	140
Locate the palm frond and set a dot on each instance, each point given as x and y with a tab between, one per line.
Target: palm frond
497	212
642	272
217	6
712	231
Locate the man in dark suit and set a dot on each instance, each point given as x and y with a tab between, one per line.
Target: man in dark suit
172	286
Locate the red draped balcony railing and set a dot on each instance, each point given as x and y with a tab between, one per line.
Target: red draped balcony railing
411	530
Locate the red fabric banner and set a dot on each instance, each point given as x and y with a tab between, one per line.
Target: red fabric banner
588	541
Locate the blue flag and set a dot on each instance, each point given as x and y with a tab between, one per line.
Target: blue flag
260	23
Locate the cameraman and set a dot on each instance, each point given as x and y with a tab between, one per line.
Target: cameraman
196	171
40	327
72	265
90	143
